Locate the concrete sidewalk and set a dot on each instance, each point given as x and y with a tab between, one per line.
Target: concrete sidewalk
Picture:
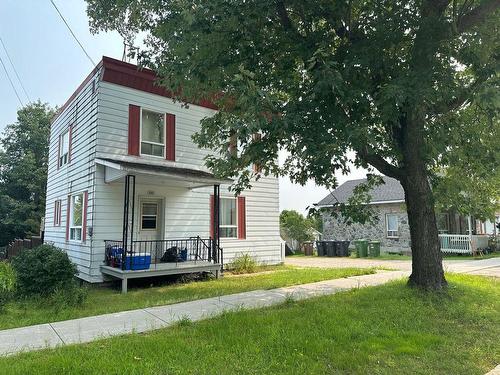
83	330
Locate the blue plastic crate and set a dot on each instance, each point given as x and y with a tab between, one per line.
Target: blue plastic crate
138	262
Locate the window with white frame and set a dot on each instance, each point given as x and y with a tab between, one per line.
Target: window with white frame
392	225
228	218
57	213
64	148
76	217
152	133
149	216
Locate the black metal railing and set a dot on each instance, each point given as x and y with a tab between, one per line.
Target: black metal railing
143	254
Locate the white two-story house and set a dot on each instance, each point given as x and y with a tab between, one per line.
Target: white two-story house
128	194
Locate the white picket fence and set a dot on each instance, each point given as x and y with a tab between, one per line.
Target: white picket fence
462	243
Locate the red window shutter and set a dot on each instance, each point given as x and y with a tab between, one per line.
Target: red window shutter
68	209
211	223
134	124
233	145
170	124
242	222
84	215
70	142
56	212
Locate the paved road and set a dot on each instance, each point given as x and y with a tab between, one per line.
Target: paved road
484	267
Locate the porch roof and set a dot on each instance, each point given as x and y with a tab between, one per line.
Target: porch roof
116	169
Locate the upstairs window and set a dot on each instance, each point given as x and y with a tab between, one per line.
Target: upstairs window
392	225
64	140
152	133
76	217
228	218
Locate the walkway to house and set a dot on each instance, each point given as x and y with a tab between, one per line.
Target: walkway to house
483	267
93	328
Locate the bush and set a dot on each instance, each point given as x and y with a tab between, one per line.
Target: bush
43	270
7	282
243	264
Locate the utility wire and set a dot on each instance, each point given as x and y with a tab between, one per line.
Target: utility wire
15	70
11	83
72	33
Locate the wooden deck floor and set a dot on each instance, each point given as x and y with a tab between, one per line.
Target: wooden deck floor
161	269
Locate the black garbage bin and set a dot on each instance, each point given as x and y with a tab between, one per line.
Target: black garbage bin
330	248
320	245
342	248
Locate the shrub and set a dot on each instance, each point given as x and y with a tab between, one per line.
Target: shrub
7	282
43	270
243	264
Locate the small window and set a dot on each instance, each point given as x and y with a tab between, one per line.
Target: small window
149	216
57	213
153	133
228	217
64	148
392	225
76	217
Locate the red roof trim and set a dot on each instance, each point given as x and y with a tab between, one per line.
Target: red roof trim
128	75
143	79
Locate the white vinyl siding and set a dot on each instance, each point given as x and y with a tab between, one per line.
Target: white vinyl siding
77	176
392	225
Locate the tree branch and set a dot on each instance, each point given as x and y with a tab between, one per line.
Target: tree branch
477	15
285	20
381	164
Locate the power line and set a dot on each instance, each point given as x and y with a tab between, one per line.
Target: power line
11	83
15	70
72	33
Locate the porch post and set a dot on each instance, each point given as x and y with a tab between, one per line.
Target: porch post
216	224
125	221
128	204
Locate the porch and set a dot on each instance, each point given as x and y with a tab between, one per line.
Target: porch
463	243
156	237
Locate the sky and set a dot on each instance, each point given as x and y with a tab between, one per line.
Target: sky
51	65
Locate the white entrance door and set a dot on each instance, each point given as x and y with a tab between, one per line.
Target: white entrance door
150	220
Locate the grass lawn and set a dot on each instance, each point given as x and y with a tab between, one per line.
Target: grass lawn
103	300
389	329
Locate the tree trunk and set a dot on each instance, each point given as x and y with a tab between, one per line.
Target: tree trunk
427	267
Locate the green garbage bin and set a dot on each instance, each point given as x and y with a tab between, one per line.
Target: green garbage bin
361	248
374	248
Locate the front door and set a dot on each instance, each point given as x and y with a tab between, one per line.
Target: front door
150	219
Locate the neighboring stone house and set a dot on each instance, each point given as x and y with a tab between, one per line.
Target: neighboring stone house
391	228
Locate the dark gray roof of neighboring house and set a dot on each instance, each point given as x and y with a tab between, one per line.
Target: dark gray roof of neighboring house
390	191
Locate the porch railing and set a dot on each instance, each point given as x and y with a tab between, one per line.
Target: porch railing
455	243
142	254
463	243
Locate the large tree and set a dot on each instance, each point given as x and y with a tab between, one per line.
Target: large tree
387	79
23	172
